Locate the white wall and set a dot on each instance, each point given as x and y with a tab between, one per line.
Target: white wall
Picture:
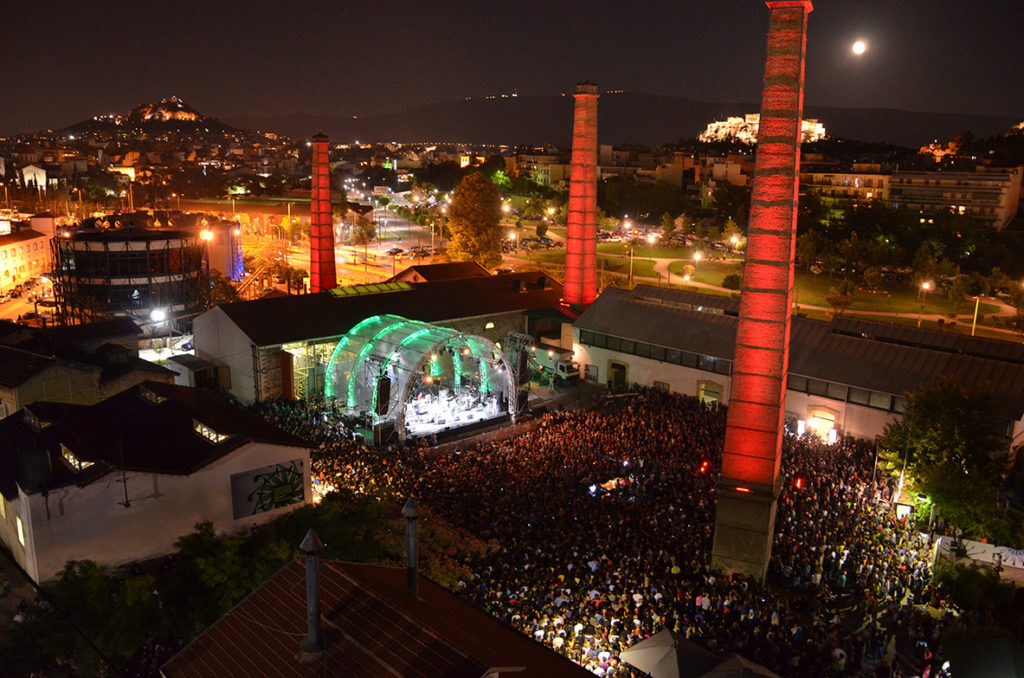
645	371
218	339
91	522
851	419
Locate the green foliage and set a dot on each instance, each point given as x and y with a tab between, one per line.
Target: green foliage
733	281
618	197
973	586
731	202
668	226
502	181
840	297
873	279
363	231
542	229
473	220
948	436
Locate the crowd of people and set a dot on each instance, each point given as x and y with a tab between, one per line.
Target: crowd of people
604	520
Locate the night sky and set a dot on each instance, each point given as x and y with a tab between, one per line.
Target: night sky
66	61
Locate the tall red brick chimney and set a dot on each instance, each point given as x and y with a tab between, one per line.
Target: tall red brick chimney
749	485
581	238
322	274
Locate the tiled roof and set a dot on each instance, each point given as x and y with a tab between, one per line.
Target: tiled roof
18	366
148	428
269	322
455	270
20	236
373	629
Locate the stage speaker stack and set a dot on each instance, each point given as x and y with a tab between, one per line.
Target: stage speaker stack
383	433
383	395
524	369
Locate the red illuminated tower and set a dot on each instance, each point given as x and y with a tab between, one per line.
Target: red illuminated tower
581	238
322	274
749	484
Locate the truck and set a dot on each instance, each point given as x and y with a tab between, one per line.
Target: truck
554	362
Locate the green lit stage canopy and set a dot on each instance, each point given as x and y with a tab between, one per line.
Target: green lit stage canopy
420	377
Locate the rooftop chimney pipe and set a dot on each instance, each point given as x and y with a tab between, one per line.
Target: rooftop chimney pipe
412	578
311	648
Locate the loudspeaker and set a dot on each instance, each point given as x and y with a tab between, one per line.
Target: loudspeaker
383	395
383	433
524	368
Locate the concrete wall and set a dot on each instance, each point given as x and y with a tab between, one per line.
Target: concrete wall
91	522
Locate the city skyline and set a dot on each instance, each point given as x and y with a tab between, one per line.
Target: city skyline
230	59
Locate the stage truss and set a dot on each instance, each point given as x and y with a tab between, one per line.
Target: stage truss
418	377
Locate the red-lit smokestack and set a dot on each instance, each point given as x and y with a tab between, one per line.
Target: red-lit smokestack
753	437
581	238
322	275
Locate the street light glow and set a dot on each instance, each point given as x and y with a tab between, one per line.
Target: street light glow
158	315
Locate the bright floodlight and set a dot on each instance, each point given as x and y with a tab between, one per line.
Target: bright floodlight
158	315
859	47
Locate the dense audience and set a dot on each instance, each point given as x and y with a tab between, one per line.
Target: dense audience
604	519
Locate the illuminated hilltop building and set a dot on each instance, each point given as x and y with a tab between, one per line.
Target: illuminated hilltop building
744	130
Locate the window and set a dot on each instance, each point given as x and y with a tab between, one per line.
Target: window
882	401
836	391
207	432
859	396
815	387
627	346
73	461
658	353
586	337
613	343
21	530
899	404
489	325
643	350
709	392
662	386
150	396
796	383
3	507
673	356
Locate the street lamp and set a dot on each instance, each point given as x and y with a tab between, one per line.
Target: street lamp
697	256
922	296
515	243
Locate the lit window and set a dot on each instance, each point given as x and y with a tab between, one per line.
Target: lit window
489	326
207	432
3	507
21	530
150	396
73	461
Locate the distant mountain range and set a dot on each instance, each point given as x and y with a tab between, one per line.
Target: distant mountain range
627	118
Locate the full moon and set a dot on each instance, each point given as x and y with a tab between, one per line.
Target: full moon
859	47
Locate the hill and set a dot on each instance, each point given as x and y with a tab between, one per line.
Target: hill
167	115
627	118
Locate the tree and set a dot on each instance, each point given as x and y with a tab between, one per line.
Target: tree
473	220
873	279
364	231
948	439
542	229
840	298
810	247
668	227
733	281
